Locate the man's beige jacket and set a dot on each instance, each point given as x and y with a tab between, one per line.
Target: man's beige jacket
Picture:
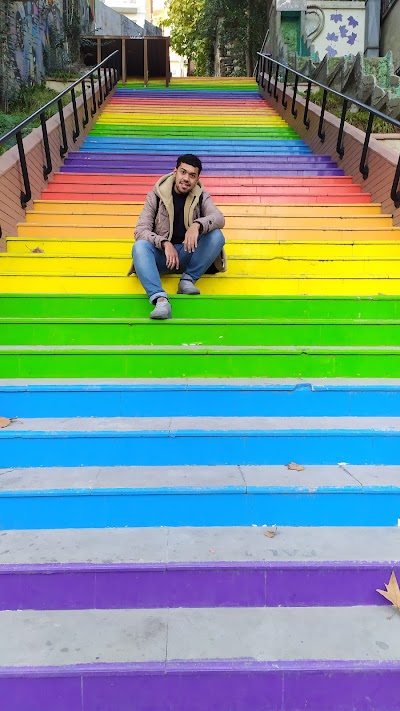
155	223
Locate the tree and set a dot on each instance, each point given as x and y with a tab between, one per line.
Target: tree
236	26
5	20
184	18
72	27
241	28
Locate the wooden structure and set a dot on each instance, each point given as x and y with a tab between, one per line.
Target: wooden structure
139	57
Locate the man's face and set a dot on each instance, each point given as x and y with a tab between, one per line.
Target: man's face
186	177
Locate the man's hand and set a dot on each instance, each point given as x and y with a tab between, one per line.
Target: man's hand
191	237
171	255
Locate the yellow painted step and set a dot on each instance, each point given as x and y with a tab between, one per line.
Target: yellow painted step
223	284
270	233
78	207
247	222
121	119
81	246
291	266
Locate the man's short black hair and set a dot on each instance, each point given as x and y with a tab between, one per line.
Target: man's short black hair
190	159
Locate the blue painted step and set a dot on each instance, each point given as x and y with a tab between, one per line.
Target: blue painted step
96	497
237	145
181	398
200	441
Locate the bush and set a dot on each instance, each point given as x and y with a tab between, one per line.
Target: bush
359	118
29	100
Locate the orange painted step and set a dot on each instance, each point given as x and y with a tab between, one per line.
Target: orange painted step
306	198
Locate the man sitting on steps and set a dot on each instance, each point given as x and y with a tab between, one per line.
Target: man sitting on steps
178	230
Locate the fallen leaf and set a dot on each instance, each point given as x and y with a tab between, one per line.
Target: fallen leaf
392	592
296	467
4	421
271	532
37	250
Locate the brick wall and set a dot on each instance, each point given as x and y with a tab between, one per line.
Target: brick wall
11	183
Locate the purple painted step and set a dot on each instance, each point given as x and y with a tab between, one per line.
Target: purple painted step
276	584
156	170
223	158
242	685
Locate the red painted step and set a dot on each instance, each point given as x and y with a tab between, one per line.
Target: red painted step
76	188
210	180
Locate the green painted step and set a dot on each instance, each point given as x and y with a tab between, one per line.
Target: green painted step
258	133
203	332
221	307
198	362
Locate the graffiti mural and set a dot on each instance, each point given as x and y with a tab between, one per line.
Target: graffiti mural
37	44
341	28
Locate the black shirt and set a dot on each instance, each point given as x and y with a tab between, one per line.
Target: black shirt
179	229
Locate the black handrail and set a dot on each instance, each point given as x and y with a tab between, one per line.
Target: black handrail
107	63
266	62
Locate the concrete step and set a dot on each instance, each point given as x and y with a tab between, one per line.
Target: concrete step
205	397
195	567
223	658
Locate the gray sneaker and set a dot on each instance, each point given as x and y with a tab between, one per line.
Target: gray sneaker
186	286
162	310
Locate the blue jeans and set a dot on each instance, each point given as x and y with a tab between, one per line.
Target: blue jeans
150	262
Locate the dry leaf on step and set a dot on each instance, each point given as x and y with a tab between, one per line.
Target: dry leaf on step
4	422
271	532
392	592
296	467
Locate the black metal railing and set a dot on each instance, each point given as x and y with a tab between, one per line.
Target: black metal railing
386	5
276	71
107	75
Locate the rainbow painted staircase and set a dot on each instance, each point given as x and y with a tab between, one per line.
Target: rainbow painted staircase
140	569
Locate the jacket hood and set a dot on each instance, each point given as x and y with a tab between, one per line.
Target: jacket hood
164	187
165	184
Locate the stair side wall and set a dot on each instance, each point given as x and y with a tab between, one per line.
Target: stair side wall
11	182
382	161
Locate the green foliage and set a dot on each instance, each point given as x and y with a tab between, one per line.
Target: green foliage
242	25
359	119
29	100
65	76
184	19
238	26
72	26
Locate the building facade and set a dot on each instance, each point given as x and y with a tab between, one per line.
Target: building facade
390	30
34	38
136	10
